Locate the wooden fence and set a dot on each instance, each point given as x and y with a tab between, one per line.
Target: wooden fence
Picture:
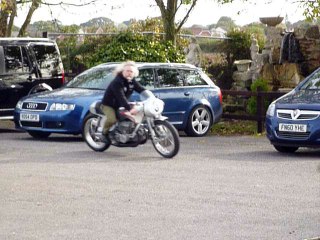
260	112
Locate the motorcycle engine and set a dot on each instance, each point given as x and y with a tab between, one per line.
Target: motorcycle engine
123	130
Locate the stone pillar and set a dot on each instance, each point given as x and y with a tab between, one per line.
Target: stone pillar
274	39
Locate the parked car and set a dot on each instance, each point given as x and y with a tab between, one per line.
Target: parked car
192	101
292	120
27	65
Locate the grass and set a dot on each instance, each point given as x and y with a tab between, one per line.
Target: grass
234	127
6	124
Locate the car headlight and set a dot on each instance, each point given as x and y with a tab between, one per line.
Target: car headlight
19	105
271	109
62	107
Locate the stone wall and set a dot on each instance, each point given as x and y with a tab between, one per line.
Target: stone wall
309	40
288	73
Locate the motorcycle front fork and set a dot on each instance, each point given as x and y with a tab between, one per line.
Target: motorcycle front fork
151	128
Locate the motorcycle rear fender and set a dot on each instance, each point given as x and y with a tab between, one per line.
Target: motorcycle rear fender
95	108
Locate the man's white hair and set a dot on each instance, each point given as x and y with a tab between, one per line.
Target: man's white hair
120	68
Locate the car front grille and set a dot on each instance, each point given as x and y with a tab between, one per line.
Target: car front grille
34	106
294	135
297	114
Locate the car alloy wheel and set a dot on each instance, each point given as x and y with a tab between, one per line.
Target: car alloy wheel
199	122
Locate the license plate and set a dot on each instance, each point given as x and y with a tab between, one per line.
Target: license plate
29	117
284	127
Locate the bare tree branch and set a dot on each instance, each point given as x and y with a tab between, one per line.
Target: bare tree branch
183	21
70	4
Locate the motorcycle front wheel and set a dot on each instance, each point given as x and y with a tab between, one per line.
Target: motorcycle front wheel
90	137
166	140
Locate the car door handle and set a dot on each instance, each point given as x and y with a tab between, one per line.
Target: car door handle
187	94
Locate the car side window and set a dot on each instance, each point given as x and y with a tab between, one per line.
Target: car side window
48	59
16	60
146	78
168	77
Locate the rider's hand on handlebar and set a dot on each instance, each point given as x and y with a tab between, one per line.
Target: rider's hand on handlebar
133	111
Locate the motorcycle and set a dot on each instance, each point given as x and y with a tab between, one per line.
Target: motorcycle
133	130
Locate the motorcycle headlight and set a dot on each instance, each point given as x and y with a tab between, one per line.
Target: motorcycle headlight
19	105
153	107
62	107
271	109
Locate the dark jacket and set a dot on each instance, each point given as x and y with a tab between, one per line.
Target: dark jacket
119	91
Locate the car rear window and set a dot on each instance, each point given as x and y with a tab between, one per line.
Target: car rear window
172	77
48	59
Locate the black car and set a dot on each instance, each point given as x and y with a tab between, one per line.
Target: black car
27	65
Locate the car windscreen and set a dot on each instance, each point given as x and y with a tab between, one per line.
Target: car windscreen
95	78
313	83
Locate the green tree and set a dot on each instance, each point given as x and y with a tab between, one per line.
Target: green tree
153	25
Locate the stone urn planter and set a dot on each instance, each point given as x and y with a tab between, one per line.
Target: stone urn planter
271	21
243	65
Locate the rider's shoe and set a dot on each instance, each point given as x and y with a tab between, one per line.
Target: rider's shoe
99	135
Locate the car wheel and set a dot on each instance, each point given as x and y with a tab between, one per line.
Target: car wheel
199	122
284	149
39	135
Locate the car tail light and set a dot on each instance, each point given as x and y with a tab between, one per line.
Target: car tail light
220	96
63	77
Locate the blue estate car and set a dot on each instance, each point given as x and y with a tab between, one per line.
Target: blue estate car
293	120
192	101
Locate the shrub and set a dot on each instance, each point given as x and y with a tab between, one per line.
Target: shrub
238	46
216	66
235	48
261	84
137	47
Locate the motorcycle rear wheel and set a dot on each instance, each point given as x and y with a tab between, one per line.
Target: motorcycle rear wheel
89	135
166	140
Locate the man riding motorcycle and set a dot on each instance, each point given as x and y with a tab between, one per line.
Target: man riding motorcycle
118	92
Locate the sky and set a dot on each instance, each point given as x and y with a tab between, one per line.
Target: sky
206	12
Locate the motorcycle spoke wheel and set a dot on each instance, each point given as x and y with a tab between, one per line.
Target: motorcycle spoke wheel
166	140
90	137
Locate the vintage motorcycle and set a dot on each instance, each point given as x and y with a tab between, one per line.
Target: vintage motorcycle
133	130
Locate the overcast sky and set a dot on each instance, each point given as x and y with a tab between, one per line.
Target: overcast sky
206	11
